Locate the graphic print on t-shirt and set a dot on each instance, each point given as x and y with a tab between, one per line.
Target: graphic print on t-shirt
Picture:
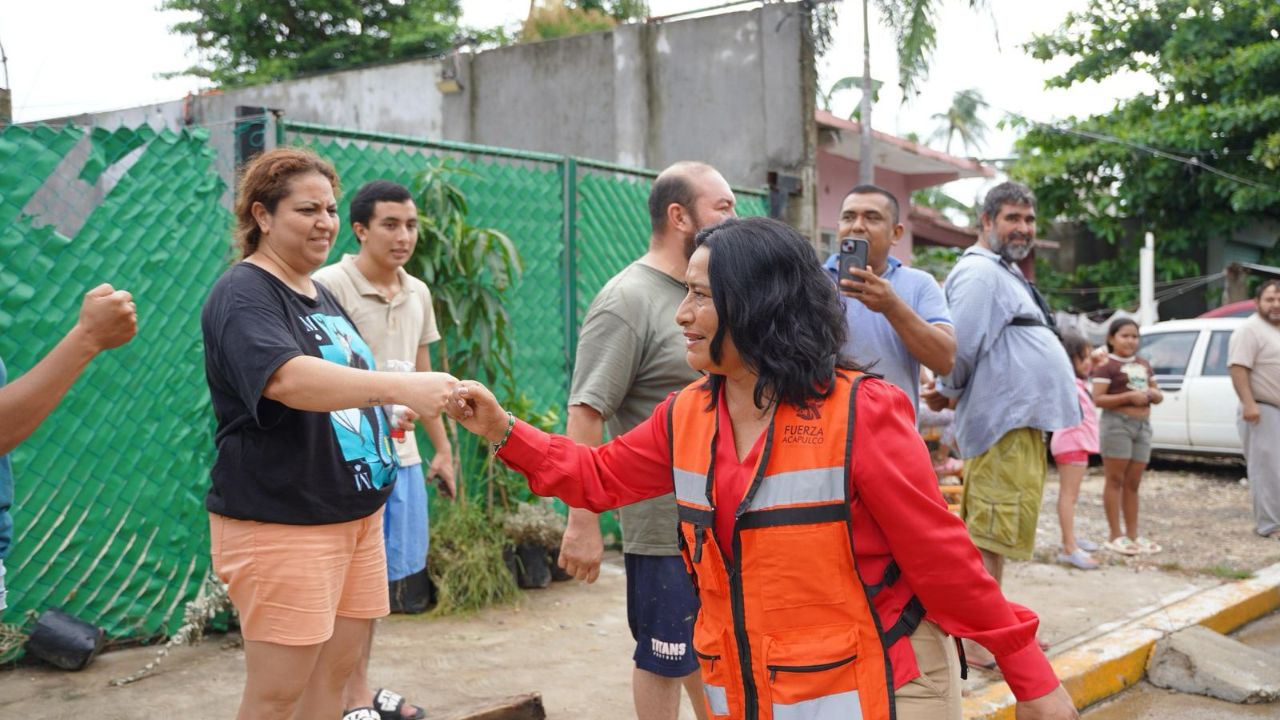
1137	375
361	432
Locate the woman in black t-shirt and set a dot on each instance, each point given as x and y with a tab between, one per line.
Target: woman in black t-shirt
304	463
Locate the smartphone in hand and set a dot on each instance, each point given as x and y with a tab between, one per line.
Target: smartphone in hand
853	254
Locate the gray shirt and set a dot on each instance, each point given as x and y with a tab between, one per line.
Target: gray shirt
631	355
1006	376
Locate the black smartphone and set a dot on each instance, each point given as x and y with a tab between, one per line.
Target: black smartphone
853	254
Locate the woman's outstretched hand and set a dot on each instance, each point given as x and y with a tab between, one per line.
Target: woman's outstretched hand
429	393
476	409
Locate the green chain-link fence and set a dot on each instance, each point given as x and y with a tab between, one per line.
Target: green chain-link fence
108	509
109	518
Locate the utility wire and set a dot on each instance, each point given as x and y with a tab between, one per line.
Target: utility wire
1162	286
1185	159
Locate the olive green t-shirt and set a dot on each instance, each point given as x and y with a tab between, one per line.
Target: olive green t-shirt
631	355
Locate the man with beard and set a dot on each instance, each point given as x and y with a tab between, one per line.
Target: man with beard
1254	357
1011	383
631	355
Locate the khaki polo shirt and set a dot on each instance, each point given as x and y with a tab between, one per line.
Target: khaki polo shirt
1256	345
394	329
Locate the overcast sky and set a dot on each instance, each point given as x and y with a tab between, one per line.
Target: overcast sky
71	56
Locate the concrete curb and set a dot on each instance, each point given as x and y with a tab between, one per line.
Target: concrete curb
1103	666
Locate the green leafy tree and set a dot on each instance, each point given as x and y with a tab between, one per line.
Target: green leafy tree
468	268
956	211
563	18
1192	160
242	42
937	261
962	119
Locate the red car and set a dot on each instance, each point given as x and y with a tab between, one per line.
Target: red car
1243	308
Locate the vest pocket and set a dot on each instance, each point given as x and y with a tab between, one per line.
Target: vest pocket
711	649
804	564
812	675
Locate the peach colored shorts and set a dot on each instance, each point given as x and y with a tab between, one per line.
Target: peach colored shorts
289	582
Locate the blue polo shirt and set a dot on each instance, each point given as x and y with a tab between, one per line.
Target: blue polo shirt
872	340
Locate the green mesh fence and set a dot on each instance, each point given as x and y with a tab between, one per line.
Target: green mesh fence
613	224
108	511
524	195
522	201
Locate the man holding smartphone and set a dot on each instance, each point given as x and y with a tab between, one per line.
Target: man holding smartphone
393	312
897	315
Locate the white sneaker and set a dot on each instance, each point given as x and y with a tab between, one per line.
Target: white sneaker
1079	559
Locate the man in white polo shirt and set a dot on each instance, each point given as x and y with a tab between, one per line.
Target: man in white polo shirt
392	311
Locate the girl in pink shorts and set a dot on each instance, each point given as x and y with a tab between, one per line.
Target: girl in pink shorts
1071	449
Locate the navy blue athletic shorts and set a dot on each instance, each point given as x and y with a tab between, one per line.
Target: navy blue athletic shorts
661	609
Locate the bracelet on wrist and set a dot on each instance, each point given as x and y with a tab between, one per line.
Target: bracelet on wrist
511	423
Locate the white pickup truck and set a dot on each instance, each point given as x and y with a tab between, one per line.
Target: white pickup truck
1199	411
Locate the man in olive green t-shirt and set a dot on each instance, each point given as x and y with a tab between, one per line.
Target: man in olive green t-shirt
631	355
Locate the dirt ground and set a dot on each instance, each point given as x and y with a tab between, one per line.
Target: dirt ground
571	643
1197	509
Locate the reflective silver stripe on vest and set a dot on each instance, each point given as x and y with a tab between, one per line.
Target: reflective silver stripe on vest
800	487
842	706
717	699
691	487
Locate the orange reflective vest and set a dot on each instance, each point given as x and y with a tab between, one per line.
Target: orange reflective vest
787	630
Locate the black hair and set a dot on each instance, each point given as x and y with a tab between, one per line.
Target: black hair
1268	283
868	189
1075	343
674	185
372	193
1006	193
1116	326
779	306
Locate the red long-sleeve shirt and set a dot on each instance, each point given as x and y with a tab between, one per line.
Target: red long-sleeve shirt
897	513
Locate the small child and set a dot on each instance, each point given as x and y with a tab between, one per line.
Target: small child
1071	449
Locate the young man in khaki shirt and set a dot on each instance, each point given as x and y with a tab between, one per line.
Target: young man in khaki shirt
392	310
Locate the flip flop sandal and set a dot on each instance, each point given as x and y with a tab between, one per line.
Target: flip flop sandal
362	713
390	705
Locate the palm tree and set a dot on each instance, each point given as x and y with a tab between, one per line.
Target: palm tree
912	22
847	83
962	119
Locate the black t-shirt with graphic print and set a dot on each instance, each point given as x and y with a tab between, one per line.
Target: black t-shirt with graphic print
274	463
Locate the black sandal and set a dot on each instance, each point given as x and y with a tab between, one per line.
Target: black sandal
389	705
362	713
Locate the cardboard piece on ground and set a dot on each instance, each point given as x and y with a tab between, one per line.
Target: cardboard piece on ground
517	707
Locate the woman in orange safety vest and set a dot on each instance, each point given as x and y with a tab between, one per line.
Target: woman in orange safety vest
830	573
